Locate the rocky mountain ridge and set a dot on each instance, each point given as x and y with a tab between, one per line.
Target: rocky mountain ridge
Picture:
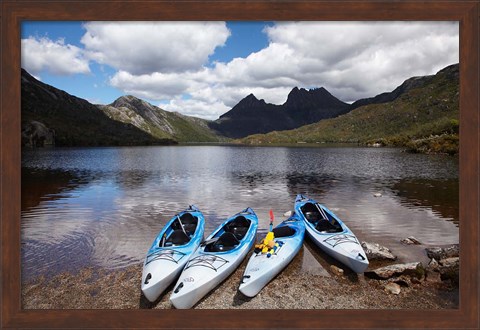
158	122
76	122
421	114
251	115
127	121
130	120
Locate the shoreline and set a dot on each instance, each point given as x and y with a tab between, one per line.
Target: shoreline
296	287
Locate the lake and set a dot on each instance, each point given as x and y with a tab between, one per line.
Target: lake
103	207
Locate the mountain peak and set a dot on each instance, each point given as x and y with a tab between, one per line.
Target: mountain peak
71	117
128	98
249	101
300	97
125	99
250	97
131	102
252	116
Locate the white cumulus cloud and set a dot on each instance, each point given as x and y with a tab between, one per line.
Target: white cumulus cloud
169	62
54	56
146	47
352	60
361	59
155	86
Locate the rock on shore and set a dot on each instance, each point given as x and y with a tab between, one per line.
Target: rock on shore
439	253
411	268
375	251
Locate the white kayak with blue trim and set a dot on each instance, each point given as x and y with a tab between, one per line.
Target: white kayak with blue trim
170	251
215	259
263	267
331	234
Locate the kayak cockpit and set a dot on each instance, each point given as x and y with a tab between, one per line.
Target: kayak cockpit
180	231
320	220
238	227
188	221
283	231
177	237
230	235
226	242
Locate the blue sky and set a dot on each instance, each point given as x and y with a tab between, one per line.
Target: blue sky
246	37
205	68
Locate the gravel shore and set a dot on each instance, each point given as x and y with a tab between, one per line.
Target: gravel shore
297	287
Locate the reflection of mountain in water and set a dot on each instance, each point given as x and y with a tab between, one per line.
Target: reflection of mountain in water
439	195
311	184
45	185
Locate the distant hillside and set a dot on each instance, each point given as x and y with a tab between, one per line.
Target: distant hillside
158	122
421	114
76	122
414	82
252	115
127	121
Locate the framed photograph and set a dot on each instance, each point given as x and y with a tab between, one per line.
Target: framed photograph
84	204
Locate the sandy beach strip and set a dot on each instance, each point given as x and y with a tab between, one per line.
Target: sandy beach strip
296	287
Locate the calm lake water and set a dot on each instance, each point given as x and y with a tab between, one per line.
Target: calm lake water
104	206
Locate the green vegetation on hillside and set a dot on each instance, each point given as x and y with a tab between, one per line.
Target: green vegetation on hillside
189	129
75	121
159	123
423	119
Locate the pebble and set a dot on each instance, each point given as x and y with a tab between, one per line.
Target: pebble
393	288
336	270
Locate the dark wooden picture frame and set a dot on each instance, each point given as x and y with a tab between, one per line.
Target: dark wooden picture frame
12	14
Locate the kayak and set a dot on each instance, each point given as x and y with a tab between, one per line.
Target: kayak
331	234
263	267
215	259
170	251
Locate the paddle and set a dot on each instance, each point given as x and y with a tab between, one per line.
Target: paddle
271	219
181	225
322	212
208	241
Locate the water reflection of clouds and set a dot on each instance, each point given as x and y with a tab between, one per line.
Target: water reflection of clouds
124	204
54	224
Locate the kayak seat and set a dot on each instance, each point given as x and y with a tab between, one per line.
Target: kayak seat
226	242
239	232
239	227
311	212
189	223
190	228
326	227
188	218
313	216
178	237
283	231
